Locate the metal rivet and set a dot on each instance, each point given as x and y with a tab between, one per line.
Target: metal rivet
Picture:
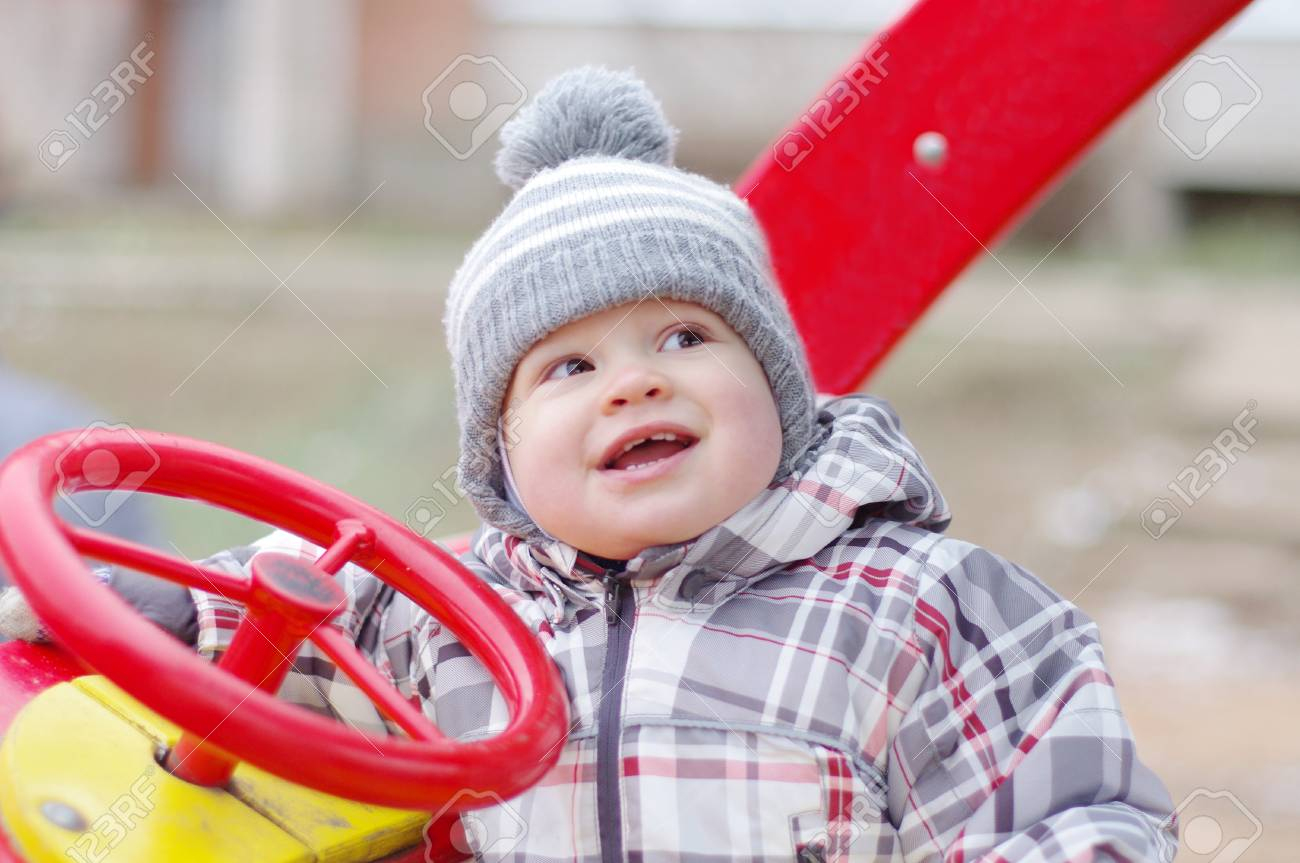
930	148
62	815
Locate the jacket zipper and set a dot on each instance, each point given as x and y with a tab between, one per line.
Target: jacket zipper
619	608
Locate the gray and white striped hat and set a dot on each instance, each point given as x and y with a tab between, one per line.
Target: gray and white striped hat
601	217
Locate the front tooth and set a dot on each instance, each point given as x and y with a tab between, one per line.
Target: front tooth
644	464
660	436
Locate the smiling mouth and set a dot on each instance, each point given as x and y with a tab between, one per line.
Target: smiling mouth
647	455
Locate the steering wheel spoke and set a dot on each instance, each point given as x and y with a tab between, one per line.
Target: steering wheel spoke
350	536
389	701
122	552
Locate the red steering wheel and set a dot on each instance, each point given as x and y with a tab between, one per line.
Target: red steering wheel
229	710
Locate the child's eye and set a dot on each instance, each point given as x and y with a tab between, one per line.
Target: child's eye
563	364
690	334
692	338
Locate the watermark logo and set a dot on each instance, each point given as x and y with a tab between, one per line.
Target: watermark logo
117	475
791	149
1205	100
1216	827
90	114
98	839
1197	478
469	101
491	829
839	100
426	513
830	486
57	148
833	843
1159	516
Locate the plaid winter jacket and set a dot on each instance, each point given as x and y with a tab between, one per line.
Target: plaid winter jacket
822	676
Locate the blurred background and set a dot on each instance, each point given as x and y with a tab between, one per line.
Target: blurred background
236	220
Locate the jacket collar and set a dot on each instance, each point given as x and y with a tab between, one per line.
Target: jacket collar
858	465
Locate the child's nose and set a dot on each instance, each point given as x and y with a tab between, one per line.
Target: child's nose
636	382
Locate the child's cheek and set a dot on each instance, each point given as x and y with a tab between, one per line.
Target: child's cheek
547	451
751	426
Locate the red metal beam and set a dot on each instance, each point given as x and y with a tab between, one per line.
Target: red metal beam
860	241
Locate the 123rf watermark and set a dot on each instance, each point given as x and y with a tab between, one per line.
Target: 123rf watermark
833	482
839	100
95	481
469	101
1203	101
425	514
1215	826
98	838
837	842
487	827
1197	478
90	114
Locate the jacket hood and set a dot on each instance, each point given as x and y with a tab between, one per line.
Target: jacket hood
858	465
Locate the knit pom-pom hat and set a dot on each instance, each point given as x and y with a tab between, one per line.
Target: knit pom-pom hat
601	217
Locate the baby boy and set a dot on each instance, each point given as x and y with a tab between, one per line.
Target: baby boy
770	648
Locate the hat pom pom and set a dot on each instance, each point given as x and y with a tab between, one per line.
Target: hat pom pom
585	111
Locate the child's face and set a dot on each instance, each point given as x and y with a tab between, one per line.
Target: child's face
588	383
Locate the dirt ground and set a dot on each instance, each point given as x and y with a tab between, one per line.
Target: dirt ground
1053	417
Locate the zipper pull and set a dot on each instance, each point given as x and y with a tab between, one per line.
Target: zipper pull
612	590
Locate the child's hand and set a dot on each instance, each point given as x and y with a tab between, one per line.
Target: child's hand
17	620
167	605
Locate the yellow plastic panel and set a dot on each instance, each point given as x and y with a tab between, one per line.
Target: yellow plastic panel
79	784
335	829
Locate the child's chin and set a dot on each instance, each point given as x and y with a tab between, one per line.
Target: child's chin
661	527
